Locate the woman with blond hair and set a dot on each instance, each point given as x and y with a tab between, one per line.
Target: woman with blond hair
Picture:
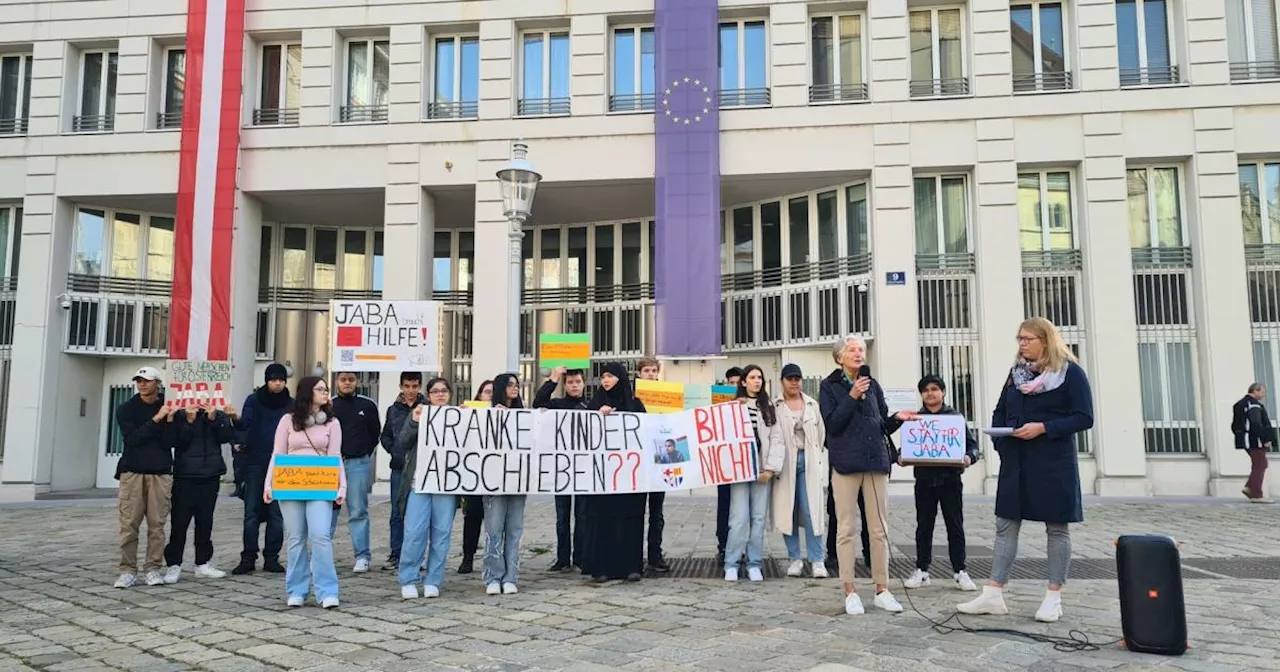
1046	401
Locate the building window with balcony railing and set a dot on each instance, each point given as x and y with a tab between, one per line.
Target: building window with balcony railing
279	85
942	220
1252	39
945	281
367	81
173	93
1041	56
10	249
455	78
1260	218
938	57
15	93
839	57
1143	35
96	106
544	74
744	64
634	64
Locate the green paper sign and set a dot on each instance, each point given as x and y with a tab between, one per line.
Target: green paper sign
572	351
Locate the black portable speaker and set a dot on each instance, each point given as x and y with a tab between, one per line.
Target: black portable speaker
1153	614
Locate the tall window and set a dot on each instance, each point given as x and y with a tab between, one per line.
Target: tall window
941	210
1155	208
744	64
545	74
856	221
1260	203
123	245
368	80
634	64
1168	395
1142	33
1040	57
937	53
10	244
97	104
280	85
1252	32
15	93
1044	211
838	71
174	92
455	79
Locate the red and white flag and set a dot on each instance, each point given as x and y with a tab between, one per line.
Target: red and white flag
200	324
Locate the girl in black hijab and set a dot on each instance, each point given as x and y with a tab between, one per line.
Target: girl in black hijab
614	536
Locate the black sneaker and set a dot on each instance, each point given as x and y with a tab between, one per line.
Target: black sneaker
720	558
558	566
634	576
392	563
465	567
245	567
272	566
660	565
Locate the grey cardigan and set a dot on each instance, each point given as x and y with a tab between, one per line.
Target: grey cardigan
407	441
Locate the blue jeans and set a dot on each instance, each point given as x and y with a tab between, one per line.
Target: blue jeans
428	522
303	521
359	478
397	516
800	514
747	505
503	527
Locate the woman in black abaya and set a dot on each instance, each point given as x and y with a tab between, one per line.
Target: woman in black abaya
614	537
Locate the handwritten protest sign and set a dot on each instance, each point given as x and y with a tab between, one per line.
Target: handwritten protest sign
496	451
193	383
723	393
572	351
659	397
934	440
304	477
696	396
385	336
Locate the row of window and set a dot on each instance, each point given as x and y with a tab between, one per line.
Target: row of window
1147	38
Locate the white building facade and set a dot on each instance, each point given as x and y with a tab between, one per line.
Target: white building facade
923	174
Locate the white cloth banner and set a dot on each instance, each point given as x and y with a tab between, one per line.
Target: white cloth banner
496	451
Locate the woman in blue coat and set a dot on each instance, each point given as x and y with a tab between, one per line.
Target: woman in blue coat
1046	401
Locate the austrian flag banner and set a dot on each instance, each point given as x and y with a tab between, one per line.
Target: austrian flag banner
200	328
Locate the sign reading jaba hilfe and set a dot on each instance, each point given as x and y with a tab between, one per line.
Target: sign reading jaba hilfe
385	336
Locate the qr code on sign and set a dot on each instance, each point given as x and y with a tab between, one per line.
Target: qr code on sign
347	356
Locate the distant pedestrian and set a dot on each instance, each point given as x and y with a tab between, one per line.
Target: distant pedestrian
1254	435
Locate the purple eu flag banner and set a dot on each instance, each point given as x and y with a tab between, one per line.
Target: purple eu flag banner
687	180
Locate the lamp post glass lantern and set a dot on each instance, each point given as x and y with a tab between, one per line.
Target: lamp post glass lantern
519	182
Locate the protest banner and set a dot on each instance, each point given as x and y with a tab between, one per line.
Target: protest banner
723	393
498	451
191	383
572	351
305	477
659	397
384	336
934	440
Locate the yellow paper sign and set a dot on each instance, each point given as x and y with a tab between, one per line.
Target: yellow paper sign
472	403
660	397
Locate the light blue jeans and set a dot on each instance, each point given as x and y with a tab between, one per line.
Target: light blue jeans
428	520
359	478
800	514
304	521
747	505
503	528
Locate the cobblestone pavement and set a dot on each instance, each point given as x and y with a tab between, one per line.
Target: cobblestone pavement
58	610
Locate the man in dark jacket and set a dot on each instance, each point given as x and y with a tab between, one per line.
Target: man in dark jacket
145	472
568	555
941	485
397	414
257	427
361	429
1254	435
198	467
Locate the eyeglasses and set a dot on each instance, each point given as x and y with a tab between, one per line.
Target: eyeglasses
321	389
439	390
1023	340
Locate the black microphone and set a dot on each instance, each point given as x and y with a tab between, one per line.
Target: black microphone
864	371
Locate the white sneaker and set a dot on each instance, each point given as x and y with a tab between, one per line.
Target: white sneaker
494	588
731	574
409	592
989	603
126	580
754	574
208	571
886	601
1051	608
853	605
509	588
796	568
362	566
430	591
329	602
172	574
963	582
820	570
295	601
154	578
918	579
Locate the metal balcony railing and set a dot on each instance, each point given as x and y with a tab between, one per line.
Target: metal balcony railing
954	262
805	309
1165	74
1041	81
363	114
631	102
1052	259
93	123
14	126
844	93
459	110
745	98
275	116
1253	70
542	107
165	120
936	88
1161	257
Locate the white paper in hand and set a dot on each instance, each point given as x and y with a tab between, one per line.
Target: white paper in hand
997	432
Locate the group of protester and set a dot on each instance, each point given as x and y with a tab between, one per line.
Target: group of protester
835	451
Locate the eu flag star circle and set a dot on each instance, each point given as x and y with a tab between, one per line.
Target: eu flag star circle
686	101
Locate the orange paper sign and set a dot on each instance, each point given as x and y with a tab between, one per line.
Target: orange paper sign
305	478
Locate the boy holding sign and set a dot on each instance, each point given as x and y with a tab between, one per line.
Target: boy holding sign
938	484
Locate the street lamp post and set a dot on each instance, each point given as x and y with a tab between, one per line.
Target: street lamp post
519	182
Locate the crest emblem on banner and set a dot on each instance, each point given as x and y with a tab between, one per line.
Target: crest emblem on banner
673	476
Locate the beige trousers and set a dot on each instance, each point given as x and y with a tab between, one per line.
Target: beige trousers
143	496
874	487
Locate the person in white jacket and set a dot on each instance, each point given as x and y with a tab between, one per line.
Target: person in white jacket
748	502
800	492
